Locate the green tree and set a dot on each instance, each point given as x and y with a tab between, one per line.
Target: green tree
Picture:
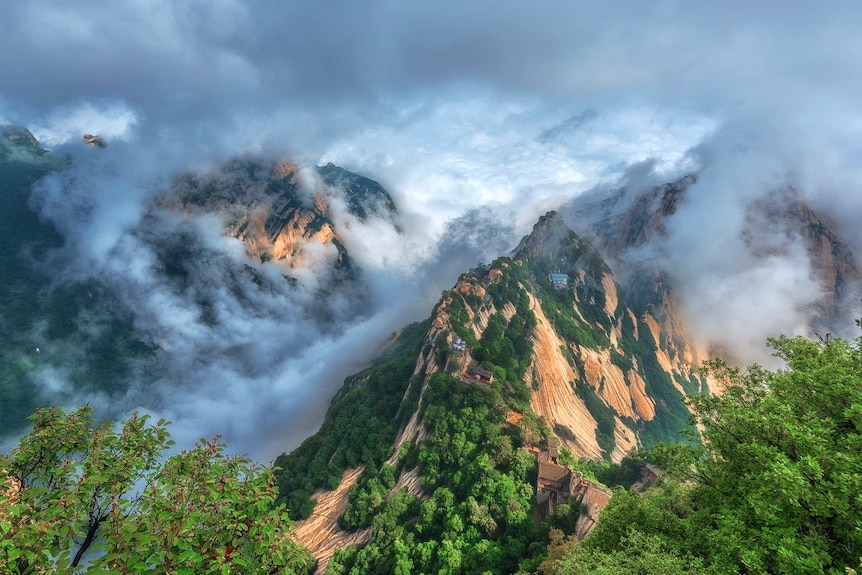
775	486
782	459
638	553
76	497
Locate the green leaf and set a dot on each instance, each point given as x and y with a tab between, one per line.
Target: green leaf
189	554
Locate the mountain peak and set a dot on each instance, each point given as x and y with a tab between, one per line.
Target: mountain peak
363	194
549	237
93	141
555	246
627	221
20	137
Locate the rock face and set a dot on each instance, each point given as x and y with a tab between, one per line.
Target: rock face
320	533
600	355
773	222
557	484
364	196
645	218
277	216
604	377
93	141
593	499
553	396
789	217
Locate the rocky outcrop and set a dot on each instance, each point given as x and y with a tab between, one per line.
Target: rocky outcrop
558	484
593	499
787	216
364	196
553	396
320	533
773	222
93	141
646	217
644	405
280	216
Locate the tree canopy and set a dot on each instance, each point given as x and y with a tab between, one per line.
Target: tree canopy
774	487
77	497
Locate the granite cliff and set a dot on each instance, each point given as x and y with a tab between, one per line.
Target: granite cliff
277	215
626	222
548	339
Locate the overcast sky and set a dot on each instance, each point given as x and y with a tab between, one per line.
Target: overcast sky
489	112
455	87
330	68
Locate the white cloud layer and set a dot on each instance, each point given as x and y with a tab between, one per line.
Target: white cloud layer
477	118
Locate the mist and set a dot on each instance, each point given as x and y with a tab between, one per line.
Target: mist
477	120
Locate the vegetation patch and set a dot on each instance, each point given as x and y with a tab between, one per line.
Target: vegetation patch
671	413
369	402
773	488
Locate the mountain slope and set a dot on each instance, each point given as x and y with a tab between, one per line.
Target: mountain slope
56	338
507	359
271	209
627	222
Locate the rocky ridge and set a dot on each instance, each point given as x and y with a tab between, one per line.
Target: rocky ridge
625	222
572	360
594	338
277	215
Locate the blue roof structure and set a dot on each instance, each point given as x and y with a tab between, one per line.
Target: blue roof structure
560	280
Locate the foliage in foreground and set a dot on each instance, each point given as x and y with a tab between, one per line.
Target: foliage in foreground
776	486
76	497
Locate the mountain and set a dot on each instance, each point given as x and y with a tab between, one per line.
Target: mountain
832	260
21	164
638	361
265	204
625	222
473	434
75	330
546	355
527	363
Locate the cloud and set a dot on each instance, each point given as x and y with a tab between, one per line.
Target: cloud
740	280
330	69
447	158
738	261
112	121
477	118
236	349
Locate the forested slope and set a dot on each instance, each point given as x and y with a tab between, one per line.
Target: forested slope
449	427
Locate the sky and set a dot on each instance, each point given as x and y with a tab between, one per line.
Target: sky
477	118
